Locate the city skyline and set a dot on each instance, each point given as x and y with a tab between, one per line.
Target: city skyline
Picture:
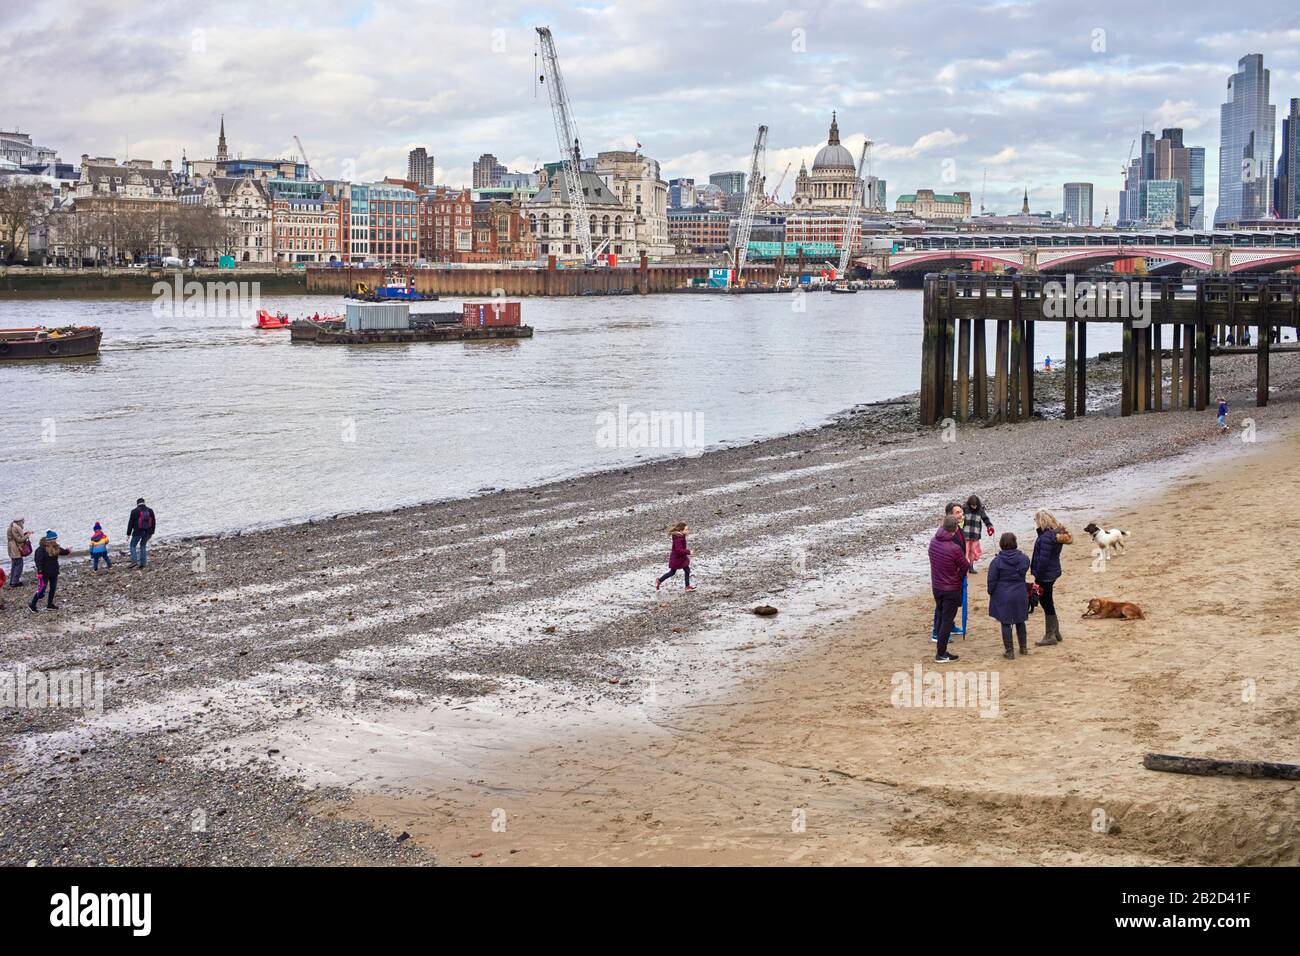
1039	96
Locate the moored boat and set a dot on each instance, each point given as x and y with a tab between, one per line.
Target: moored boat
73	341
281	320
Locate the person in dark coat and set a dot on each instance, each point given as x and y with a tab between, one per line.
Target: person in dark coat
948	567
1046	566
46	558
140	528
679	557
1009	594
954	509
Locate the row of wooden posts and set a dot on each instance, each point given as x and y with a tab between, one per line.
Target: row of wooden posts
958	309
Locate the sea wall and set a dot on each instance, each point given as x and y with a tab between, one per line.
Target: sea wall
134	283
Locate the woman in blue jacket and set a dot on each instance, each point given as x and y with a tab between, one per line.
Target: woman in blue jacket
1008	593
1046	566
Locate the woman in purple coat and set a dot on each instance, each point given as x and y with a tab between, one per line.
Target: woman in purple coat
1009	594
679	558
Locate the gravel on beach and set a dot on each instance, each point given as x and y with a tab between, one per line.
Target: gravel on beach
449	601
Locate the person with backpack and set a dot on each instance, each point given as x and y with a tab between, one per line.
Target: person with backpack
19	548
47	570
140	528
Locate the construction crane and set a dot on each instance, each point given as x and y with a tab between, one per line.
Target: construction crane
779	183
306	162
566	135
854	223
753	196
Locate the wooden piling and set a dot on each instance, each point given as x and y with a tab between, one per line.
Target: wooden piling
1175	367
1001	358
1027	395
949	341
963	370
1081	373
981	355
1069	369
1126	372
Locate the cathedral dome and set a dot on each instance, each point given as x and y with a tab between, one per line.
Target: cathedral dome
833	155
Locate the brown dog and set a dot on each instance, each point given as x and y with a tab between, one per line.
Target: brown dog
1124	610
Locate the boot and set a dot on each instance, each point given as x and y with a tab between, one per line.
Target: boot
1007	652
1023	636
1054	623
1048	637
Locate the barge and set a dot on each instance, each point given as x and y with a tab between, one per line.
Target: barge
73	341
393	324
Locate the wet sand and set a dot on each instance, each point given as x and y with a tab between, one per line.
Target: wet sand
498	674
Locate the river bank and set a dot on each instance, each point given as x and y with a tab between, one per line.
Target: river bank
35	285
281	682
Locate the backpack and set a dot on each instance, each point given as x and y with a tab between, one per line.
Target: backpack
145	521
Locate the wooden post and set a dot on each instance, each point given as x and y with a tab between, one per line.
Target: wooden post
1261	349
949	340
981	354
1069	369
1126	374
1189	345
1027	396
1000	361
963	370
929	348
1017	346
1177	370
1081	373
1140	370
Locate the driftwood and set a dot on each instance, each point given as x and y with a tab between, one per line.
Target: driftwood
1207	766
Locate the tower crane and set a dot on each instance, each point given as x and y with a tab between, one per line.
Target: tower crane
315	176
854	223
753	196
566	135
779	183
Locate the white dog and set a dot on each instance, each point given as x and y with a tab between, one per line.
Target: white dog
1111	542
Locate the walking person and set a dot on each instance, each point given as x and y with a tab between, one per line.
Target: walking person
1009	594
19	548
1046	567
679	557
976	521
140	528
99	549
47	570
948	567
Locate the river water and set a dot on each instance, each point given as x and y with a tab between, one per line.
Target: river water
223	427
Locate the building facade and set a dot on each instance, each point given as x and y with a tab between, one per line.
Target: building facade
833	179
634	178
1246	133
245	205
927	204
446	225
700	230
612	223
502	233
487	171
420	166
1286	189
1077	203
681	193
304	221
731	182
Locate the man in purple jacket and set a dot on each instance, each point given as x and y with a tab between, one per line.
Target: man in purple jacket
948	566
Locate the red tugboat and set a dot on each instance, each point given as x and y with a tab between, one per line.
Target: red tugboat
72	341
281	320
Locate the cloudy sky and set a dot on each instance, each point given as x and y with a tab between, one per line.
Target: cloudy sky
1031	94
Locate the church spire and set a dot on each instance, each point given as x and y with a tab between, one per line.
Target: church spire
833	139
1024	207
222	156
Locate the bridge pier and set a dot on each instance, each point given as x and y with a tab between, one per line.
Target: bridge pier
954	374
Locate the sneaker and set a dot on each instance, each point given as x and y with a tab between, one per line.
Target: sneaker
34	609
946	659
657	583
690	587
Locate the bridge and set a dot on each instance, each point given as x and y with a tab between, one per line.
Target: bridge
1167	251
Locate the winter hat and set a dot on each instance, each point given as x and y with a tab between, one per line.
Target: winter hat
139	501
98	526
51	535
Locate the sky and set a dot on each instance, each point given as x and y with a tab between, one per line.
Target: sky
1021	95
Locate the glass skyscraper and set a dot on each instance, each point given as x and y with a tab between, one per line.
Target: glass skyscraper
1196	196
1246	130
1287	188
1077	204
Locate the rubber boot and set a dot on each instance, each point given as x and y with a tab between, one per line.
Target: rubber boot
1048	637
1054	623
1007	652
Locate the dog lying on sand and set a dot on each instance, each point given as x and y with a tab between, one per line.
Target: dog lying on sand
1111	542
1106	608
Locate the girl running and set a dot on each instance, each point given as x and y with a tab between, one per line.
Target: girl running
679	557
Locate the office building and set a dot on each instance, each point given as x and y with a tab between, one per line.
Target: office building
1077	205
1246	134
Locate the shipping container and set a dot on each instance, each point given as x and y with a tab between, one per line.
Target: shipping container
377	316
491	313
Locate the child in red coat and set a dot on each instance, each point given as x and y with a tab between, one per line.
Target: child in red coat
679	557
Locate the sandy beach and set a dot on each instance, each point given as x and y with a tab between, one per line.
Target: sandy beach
495	681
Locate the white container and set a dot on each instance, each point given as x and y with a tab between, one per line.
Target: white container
378	316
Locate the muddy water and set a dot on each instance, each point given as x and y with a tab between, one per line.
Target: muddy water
224	427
